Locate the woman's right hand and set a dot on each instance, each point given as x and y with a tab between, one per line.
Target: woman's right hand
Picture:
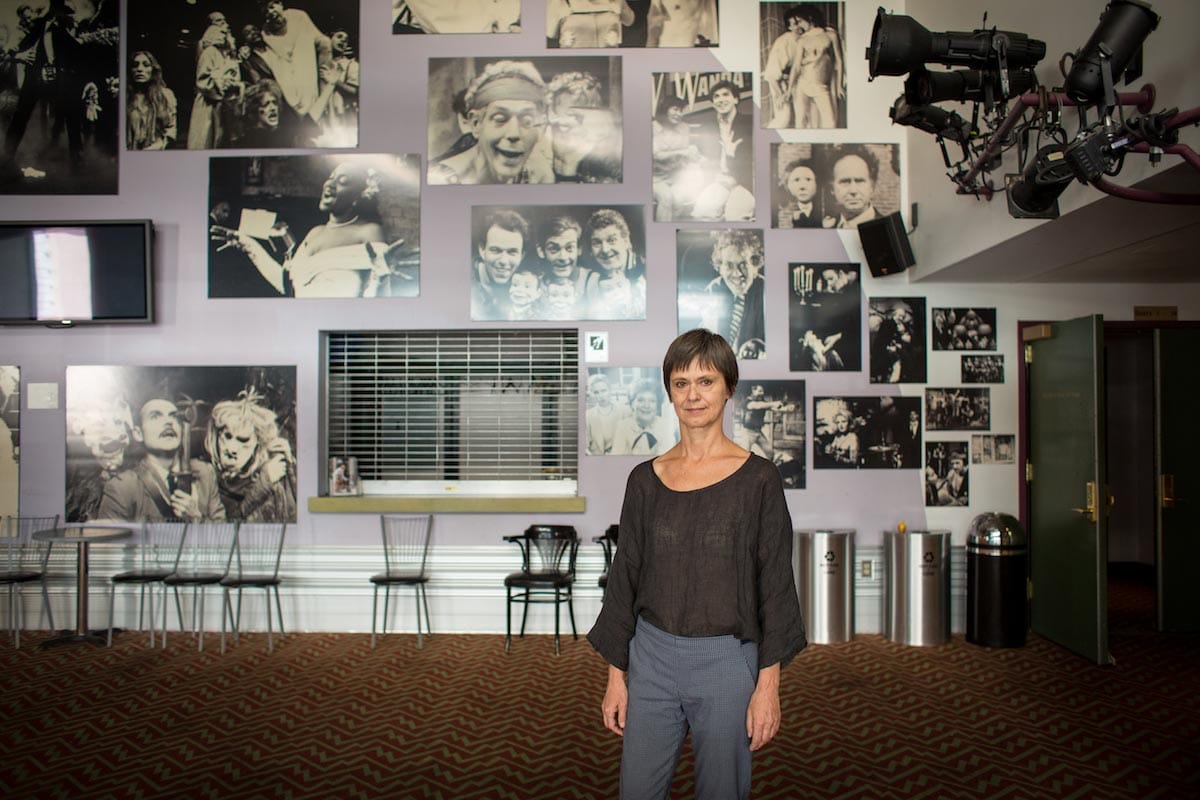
616	701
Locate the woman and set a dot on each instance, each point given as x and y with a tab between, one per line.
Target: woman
218	84
677	175
643	431
151	110
256	472
700	595
344	257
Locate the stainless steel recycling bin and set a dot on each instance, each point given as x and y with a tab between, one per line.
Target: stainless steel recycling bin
997	580
917	598
825	567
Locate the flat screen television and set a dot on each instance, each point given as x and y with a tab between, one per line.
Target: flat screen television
69	273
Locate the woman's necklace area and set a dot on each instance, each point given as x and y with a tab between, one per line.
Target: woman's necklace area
350	221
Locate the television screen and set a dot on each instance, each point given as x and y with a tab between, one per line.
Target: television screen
76	272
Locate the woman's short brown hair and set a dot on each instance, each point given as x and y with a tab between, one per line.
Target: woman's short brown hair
705	347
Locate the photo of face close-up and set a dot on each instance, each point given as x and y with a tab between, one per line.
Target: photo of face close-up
721	284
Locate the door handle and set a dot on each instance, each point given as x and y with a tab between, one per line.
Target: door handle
1166	491
1089	513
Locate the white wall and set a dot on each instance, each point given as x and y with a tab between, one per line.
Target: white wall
171	188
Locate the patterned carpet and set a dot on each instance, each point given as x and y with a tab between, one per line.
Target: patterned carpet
325	717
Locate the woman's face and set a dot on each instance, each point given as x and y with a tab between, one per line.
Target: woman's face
268	111
341	190
645	407
698	394
675	114
140	68
802	184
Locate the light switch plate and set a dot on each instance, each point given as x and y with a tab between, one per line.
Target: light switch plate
43	395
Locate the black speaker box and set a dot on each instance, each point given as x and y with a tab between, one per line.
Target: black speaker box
885	245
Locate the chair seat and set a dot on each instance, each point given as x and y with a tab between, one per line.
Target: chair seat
536	580
176	578
19	576
141	576
407	578
250	580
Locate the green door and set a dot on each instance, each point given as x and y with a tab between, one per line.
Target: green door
1178	428
1068	496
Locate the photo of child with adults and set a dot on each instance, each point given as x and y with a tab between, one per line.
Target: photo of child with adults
456	16
628	412
896	327
946	475
866	433
59	80
10	440
558	262
982	369
958	409
989	449
963	328
195	443
314	226
702	145
825	318
212	74
803	64
768	420
720	286
553	119
631	23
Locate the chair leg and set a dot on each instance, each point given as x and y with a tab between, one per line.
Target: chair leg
417	600
387	597
571	611
226	614
556	616
46	605
237	621
278	608
374	613
270	633
508	619
201	622
425	600
525	613
112	599
14	614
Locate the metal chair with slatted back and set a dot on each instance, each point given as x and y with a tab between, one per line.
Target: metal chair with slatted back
543	577
156	554
257	551
405	559
24	560
202	562
609	542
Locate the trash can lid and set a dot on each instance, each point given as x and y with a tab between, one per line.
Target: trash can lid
995	529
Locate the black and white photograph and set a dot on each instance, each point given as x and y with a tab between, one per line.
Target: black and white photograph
314	226
343	476
550	119
628	412
456	16
702	145
963	328
896	327
867	432
825	317
803	64
59	85
858	182
797	199
558	262
958	409
946	474
199	444
982	369
769	421
10	440
631	23
212	74
998	449
720	286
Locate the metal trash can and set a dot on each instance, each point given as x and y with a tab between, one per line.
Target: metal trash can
824	566
917	598
997	581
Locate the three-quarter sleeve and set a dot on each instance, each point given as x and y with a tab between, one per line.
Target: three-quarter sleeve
779	616
618	617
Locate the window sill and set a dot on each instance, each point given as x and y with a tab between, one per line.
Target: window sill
445	504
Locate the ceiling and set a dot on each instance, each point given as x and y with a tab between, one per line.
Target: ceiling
1109	241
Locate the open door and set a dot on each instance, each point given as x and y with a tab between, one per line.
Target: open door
1067	493
1177	385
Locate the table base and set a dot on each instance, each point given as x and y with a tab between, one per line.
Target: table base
96	637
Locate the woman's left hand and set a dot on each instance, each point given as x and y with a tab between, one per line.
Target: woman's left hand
763	715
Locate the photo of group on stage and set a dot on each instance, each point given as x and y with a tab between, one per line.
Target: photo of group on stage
345	225
720	286
553	119
558	263
825	318
958	409
982	369
460	16
199	444
896	327
702	145
628	412
632	23
867	432
213	74
769	421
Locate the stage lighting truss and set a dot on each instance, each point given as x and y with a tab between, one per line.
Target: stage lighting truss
1011	110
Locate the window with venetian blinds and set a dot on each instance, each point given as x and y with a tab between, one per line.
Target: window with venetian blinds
485	412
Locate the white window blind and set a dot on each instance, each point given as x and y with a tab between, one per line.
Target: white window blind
469	411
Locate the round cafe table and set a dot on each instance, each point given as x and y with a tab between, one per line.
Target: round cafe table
81	536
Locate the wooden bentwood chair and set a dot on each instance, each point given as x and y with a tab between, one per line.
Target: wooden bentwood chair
543	577
609	542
